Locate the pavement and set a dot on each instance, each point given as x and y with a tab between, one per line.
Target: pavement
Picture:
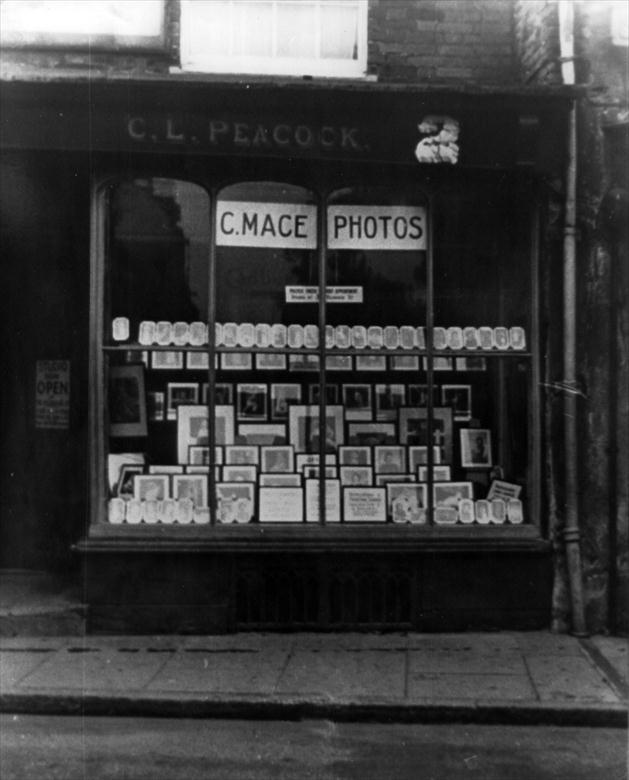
49	665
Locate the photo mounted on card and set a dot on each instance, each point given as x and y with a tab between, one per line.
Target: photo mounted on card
193	428
475	448
164	333
295	336
180	394
312	472
198	334
156	468
155	402
147	332
459	399
501	338
281	505
338	362
471	363
414	429
389	398
471	338
197	361
270	361
279	480
331	394
304	430
342	337
359	337
454	338
389	459
239	473
354	456
261	433
235	502
312	459
356	475
404	363
439	364
198	455
391	338
230	334
127	401
277	459
151	487
311	336
517	338
371	363
251	401
439	474
223	393
242	454
332	501
418	456
166	360
236	361
246	335
192	486
262	335
368	434
406	503
384	479
282	396
279	336
357	401
125	486
417	395
303	362
450	493
364	504
515	513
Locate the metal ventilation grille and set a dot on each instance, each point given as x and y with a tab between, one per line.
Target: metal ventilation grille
278	598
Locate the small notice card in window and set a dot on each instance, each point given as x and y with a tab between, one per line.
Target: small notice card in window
52	394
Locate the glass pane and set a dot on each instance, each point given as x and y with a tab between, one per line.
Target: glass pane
257	29
209	27
267	335
296	30
339	31
157	283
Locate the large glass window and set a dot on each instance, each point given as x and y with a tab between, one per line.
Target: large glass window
272	353
284	37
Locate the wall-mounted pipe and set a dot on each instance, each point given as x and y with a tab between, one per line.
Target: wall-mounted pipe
572	534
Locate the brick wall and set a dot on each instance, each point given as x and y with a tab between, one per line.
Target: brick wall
536	26
442	41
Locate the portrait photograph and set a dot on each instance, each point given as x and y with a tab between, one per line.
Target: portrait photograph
151	487
450	493
197	361
304	431
270	361
251	401
236	361
235	473
277	459
368	434
155	402
389	398
167	360
241	454
389	460
356	475
459	399
282	396
354	456
180	394
192	486
125	484
261	433
418	456
414	429
406	503
127	401
439	473
404	363
357	401
475	448
371	363
235	502
331	394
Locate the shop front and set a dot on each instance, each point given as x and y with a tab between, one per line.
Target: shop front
317	338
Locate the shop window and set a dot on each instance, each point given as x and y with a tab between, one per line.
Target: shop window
232	390
282	37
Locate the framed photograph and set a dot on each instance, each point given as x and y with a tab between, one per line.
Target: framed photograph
197	361
391	337
198	334
371	434
295	336
261	433
155	402
389	459
498	511
235	502
404	363
466	511
515	513
332	501
180	394
312	472
125	486
280	480
151	487
454	337
146	332
471	338
230	334
446	515
165	469
242	454
192	486
354	456
282	396
235	473
223	393
439	338
481	511
417	395
471	363
304	427
338	362
251	401
312	459
356	475
236	361
281	505
459	399
439	473
384	479
262	335
357	401
270	361
418	456
198	455
364	505
279	335
167	360
303	362
203	470
246	335
331	394
371	363
406	503
475	448
127	401
193	428
501	338
164	333
414	429
343	336
277	459
359	337
486	337
389	398
517	338
450	493
311	336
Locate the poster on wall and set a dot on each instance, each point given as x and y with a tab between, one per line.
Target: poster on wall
52	394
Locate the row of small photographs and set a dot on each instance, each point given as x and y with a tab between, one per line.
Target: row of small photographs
168	360
399	503
362	401
295	336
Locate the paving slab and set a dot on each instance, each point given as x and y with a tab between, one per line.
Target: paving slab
14	666
466	660
344	673
545	643
104	670
558	678
616	651
495	643
494	687
204	673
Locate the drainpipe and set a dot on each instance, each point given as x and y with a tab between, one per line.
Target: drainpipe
571	532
